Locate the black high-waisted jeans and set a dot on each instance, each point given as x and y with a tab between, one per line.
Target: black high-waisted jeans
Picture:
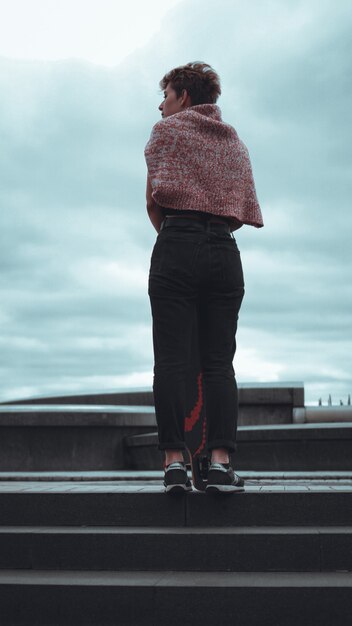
195	264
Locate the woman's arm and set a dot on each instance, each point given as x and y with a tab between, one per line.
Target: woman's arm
154	211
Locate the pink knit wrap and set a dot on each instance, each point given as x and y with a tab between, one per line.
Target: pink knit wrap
196	161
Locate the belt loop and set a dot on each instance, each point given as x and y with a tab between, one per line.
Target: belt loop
162	225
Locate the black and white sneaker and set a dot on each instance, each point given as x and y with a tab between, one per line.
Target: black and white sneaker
222	479
176	479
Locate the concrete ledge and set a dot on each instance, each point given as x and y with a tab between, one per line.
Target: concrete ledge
275	432
73	415
88	438
83	432
68	437
251	394
138	396
294	432
289	447
291	393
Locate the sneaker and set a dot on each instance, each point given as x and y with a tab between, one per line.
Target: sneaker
222	479
176	479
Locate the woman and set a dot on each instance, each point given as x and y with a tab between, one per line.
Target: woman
200	189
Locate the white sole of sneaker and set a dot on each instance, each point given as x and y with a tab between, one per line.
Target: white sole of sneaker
177	488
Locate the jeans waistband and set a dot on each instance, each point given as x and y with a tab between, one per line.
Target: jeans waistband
200	222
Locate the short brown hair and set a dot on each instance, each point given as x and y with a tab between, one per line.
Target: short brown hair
199	79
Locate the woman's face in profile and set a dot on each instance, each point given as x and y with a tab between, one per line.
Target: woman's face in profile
171	103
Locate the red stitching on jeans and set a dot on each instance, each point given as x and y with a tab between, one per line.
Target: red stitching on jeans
191	421
204	437
195	413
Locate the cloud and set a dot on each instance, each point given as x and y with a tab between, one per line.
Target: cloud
75	237
101	31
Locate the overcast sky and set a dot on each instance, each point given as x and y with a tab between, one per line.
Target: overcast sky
79	95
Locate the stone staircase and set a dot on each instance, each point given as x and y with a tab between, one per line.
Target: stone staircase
88	537
76	550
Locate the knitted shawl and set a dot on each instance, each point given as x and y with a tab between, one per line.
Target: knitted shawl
195	161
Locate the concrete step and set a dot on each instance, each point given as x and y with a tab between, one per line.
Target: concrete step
279	447
192	598
241	549
111	504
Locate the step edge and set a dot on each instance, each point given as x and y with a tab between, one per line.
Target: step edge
128	578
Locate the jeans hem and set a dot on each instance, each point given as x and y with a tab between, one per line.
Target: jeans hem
172	446
222	443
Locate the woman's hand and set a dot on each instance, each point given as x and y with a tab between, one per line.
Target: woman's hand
154	211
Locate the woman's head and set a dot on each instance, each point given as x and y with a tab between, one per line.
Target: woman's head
188	85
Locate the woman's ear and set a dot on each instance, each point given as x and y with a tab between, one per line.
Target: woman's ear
185	98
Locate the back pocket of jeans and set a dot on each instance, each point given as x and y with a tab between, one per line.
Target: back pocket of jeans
177	257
